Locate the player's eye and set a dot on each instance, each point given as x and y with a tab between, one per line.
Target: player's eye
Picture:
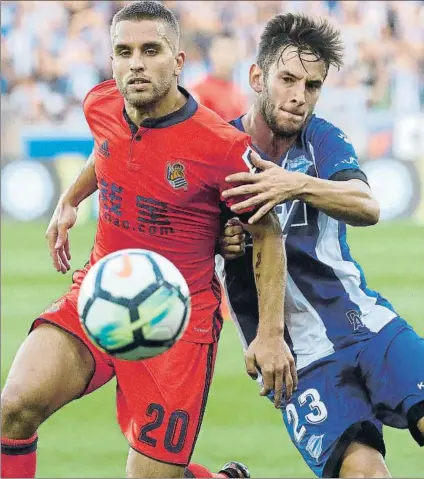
151	52
314	86
288	80
124	53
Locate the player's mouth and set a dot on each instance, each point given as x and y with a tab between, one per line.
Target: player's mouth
138	80
138	83
294	115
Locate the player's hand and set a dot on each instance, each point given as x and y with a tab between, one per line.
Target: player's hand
62	220
272	357
272	186
232	242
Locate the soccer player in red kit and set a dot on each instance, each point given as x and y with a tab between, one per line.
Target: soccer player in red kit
218	91
160	163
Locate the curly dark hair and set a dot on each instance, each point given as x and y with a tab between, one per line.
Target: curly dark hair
305	33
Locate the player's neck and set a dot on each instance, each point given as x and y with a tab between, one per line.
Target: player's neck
172	102
274	146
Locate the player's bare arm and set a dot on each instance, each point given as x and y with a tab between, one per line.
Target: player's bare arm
268	351
65	215
349	201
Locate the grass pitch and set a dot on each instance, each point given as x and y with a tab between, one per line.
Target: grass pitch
83	439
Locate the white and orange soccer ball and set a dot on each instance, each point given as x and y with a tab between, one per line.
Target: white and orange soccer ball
134	304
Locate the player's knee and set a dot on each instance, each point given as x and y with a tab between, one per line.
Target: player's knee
139	465
420	426
20	416
361	460
371	470
154	469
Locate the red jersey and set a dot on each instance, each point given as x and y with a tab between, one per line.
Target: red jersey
160	189
222	97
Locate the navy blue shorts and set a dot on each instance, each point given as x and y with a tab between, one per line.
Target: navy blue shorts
349	395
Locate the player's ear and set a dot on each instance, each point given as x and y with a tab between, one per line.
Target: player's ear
179	63
256	78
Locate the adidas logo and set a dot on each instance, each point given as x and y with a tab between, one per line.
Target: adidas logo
104	149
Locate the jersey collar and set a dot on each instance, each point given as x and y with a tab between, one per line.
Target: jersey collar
178	116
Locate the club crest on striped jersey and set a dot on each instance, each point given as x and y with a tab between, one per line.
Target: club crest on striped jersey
175	174
314	446
300	164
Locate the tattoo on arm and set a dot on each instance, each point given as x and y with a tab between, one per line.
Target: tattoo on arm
257	274
258	260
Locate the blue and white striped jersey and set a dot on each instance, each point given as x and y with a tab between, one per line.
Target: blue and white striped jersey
328	303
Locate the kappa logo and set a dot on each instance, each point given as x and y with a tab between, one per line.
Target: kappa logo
420	385
104	149
314	446
175	175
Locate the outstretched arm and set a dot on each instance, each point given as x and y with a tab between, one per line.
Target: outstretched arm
349	201
84	185
65	215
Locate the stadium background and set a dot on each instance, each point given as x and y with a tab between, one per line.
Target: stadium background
53	52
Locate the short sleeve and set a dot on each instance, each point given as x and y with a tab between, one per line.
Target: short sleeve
335	153
238	160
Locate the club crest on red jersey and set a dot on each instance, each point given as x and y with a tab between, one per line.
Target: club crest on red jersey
175	174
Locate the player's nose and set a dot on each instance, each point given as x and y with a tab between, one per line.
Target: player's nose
137	62
299	95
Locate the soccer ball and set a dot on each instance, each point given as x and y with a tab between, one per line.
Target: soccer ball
134	304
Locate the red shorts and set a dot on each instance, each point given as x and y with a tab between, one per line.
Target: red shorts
161	400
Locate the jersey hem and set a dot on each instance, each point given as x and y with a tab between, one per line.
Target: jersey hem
315	358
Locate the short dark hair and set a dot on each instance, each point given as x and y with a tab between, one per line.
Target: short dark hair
305	33
146	10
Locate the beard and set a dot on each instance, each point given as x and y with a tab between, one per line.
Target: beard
269	114
145	99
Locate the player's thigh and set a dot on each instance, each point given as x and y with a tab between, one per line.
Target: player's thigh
392	366
50	369
328	412
139	465
54	365
161	400
360	460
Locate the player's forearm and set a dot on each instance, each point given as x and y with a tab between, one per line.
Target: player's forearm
349	201
270	268
84	185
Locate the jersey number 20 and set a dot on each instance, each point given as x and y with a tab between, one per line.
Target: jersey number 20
177	420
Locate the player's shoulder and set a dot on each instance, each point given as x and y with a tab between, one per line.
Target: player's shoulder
215	129
318	130
105	94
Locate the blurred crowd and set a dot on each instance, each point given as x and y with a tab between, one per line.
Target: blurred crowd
53	52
